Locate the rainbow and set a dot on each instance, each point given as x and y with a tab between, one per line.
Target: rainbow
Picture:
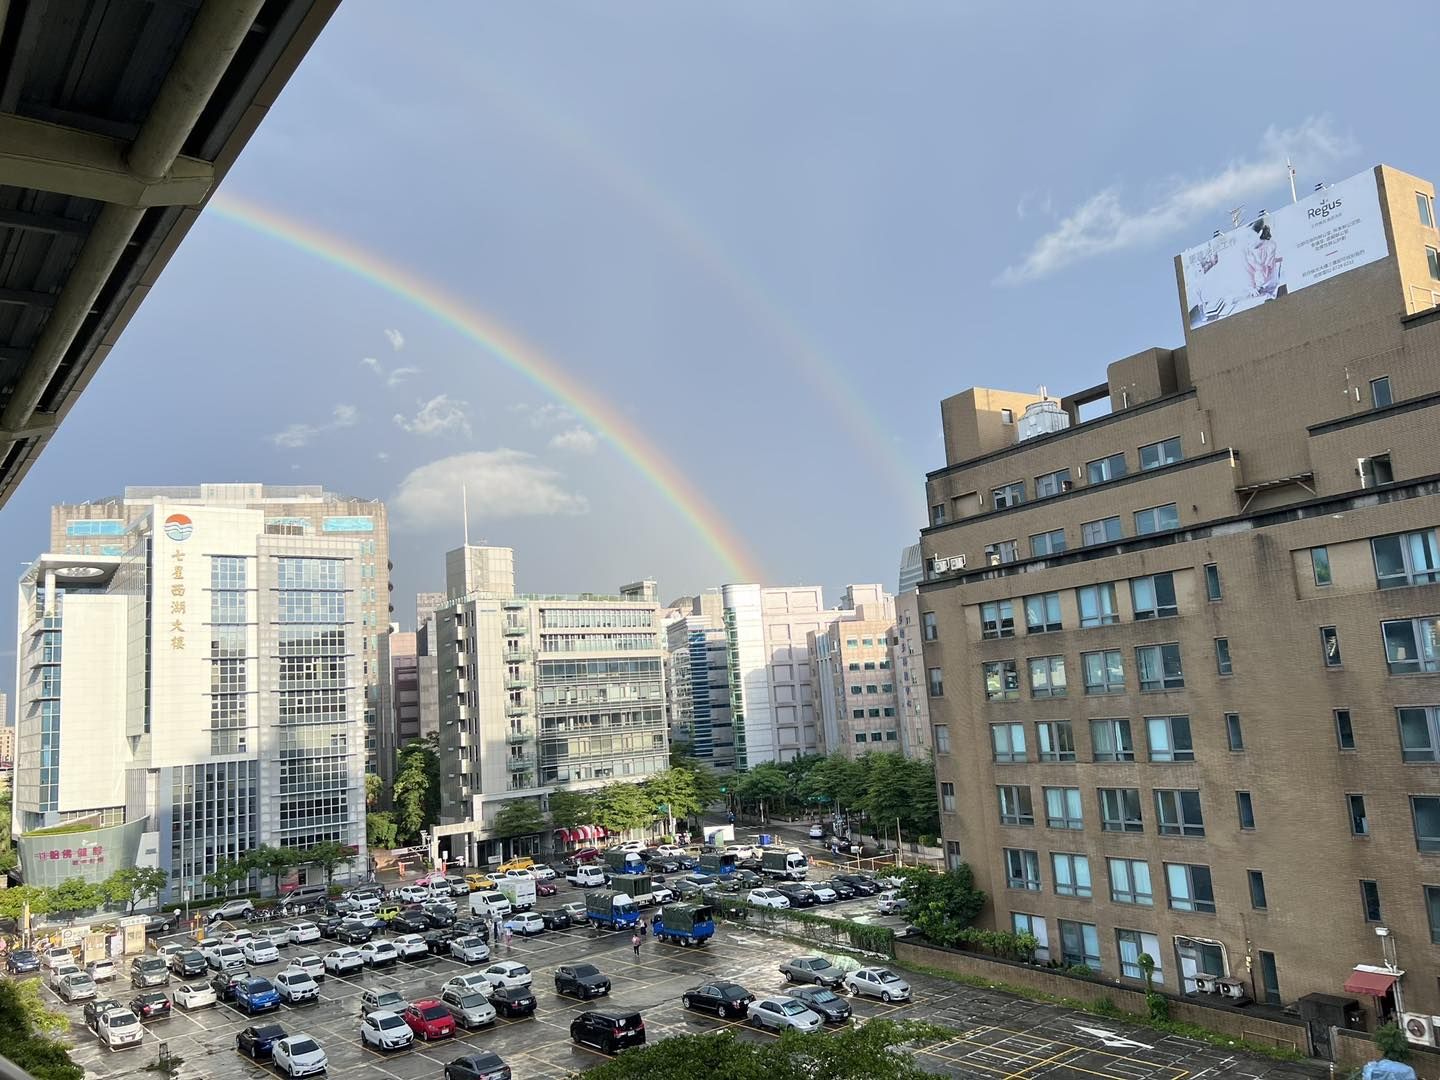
515	353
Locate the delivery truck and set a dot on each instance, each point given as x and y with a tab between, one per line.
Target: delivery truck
624	862
519	891
720	864
608	910
790	865
639	887
689	924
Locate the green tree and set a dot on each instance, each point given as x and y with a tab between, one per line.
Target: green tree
8	856
272	862
329	856
942	906
381	830
622	806
227	874
672	793
765	786
415	793
133	885
900	789
25	1030
74	895
571	808
374	791
13	900
519	817
1392	1043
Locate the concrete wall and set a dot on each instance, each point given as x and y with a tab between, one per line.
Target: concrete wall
1354	1048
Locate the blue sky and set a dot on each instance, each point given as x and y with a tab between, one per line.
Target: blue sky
773	235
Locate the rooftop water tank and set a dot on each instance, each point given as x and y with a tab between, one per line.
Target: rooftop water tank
1044	417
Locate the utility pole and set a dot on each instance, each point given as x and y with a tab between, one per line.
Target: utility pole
1291	170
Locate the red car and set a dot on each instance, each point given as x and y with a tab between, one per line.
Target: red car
429	1019
544	888
586	854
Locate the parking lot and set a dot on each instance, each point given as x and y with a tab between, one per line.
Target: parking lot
995	1034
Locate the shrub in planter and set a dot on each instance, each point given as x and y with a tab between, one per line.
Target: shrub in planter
1082	970
1158	1005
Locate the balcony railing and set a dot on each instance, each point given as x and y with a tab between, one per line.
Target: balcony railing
516	684
516	629
515	738
513	711
520	762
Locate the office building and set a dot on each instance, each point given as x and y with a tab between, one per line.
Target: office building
99	528
406	712
7	733
697	673
539	694
854	674
192	698
1183	654
913	702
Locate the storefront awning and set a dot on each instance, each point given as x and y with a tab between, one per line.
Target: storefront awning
564	835
1371	982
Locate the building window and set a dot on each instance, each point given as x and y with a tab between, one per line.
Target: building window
1426	811
1380	392
1159	454
1056	740
1071	873
954	857
1330	645
1047	676
1190	888
1062	808
1104	469
1022	869
1169	738
1015	805
1412	645
1212	581
1359	818
1411	558
1034	925
1376	470
1432	256
1120	810
942	738
1419	733
928	628
1002	681
1246	810
1320	566
1079	945
1104	672
1042	613
856	690
1008	743
1097	604
871	688
1178	812
1257	890
1344	730
1102	531
1052	484
1009	495
1110	741
857	714
997	619
937	681
1427	213
1269	978
1156	519
1234	733
873	713
947	797
937	514
1432	909
1370	900
1047	543
1131	944
1004	551
1222	657
1130	882
1159	667
1153	597
1007	416
860	735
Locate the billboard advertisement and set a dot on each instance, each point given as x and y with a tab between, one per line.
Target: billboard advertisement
1323	235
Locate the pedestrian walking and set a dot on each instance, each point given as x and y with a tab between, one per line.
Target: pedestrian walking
635	943
642	926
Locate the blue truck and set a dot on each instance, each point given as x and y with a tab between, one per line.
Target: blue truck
608	910
689	924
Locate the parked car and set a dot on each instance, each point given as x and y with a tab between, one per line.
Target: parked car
833	1009
77	986
379	953
438	941
842	890
769	898
891	903
747	879
429	1019
255	995
330	926
299	1055
545	888
302	897
302	933
542	872
581	980
151	1005
482	1066
471	1009
195	995
878	982
343	961
160	923
439	915
470	950
382	1001
476	981
812	969
354	932
458	886
297	987
54	958
799	895
509	973
146	971
222	958
56	975
513	1001
413	894
721	998
311	964
410	921
188	963
817	832
471	926
610	1030
96	1008
780	1012
231	910
257	1041
224	984
823	893
527	924
479	882
385	1031
238	938
102	970
862	885
118	1028
410	946
576	911
555	918
260	950
22	961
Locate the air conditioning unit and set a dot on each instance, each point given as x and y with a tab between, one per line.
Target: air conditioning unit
957	562
939	565
992	556
1419	1028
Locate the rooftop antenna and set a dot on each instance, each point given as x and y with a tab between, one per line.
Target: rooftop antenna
1236	214
465	511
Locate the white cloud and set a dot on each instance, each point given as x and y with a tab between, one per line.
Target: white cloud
436	417
396	377
540	416
499	483
372	364
382	455
1103	223
396	339
342	416
577	440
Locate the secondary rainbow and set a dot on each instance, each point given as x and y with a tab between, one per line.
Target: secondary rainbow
512	350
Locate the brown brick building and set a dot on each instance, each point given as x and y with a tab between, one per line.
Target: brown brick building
1186	683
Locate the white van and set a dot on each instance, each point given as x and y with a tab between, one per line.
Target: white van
586	876
489	905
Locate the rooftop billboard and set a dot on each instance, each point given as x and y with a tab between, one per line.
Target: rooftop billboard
1336	229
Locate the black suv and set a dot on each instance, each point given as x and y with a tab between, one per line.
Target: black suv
353	932
799	895
862	885
410	921
721	998
188	963
581	980
609	1030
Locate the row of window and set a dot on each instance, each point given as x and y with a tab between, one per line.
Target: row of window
1151	597
856	689
1152	519
1177	810
1169	738
870	665
1157	667
860	714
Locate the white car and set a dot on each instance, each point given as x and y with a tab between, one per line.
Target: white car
77	986
823	893
471	982
194	995
518	875
414	894
343	961
509	973
410	946
55	958
472	950
302	933
296	987
237	938
385	1031
119	1027
670	849
891	903
661	895
526	923
878	982
366	901
629	845
742	851
299	1055
767	898
101	970
379	953
225	958
311	964
817	832
469	1007
782	1012
542	873
260	951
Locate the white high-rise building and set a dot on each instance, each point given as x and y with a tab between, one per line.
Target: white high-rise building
697	672
194	697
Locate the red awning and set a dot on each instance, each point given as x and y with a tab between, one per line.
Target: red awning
1369	983
564	835
585	832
